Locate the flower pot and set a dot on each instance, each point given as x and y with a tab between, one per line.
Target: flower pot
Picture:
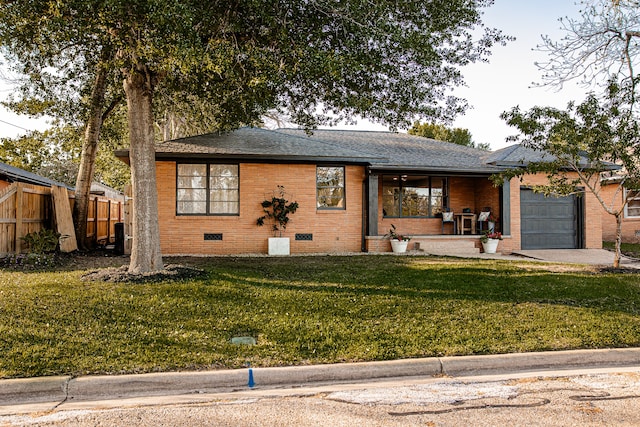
399	246
490	246
279	246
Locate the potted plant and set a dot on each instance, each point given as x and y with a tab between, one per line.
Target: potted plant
399	242
490	241
491	222
277	210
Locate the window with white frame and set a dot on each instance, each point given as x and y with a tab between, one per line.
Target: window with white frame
207	189
330	191
633	204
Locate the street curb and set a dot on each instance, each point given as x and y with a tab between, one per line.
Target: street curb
33	390
93	388
540	361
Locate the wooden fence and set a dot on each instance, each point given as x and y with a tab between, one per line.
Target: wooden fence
25	208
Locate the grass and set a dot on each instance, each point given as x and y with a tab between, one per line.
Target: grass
305	310
628	249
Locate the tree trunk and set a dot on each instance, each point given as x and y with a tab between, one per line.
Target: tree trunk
88	159
145	252
618	252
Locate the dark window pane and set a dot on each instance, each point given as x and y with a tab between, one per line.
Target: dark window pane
412	195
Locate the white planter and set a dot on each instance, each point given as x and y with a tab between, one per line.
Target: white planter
279	246
399	246
490	246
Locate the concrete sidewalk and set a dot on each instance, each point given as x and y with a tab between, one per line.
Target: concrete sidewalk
48	393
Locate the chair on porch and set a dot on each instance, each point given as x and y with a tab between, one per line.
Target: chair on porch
448	218
484	218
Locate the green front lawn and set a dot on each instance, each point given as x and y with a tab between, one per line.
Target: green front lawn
309	310
628	249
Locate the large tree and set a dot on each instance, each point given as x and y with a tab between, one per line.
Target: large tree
440	132
321	61
65	74
601	45
579	145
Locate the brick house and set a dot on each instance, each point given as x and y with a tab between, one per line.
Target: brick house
614	193
350	187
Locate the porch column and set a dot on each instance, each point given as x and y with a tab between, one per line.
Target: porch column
372	208
506	208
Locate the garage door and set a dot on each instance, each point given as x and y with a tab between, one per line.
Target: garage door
549	222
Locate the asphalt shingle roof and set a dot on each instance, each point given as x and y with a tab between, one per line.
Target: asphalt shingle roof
12	173
382	150
518	155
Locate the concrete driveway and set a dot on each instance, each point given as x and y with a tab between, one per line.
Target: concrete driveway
577	256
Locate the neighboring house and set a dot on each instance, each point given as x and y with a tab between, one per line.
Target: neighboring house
104	190
612	192
350	187
10	174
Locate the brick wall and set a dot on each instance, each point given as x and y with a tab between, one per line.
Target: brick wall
332	230
630	226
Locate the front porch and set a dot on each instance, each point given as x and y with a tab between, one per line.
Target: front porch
415	205
434	244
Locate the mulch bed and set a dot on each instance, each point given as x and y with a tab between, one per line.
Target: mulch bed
121	274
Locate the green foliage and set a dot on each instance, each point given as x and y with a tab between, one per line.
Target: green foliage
631	250
309	310
29	261
42	241
393	235
397	60
438	132
277	211
577	145
583	141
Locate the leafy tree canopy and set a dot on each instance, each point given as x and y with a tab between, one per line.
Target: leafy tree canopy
321	60
580	144
442	133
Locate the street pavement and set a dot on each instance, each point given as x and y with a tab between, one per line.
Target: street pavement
596	397
442	391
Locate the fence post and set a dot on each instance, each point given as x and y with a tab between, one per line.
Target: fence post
108	221
19	213
96	220
128	219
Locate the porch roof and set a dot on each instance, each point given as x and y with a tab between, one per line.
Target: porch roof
383	151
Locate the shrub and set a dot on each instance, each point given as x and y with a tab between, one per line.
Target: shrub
42	242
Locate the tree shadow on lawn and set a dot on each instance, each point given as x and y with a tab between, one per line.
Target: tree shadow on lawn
440	279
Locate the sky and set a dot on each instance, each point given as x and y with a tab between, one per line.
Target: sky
491	88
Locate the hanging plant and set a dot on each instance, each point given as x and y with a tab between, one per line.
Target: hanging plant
277	210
